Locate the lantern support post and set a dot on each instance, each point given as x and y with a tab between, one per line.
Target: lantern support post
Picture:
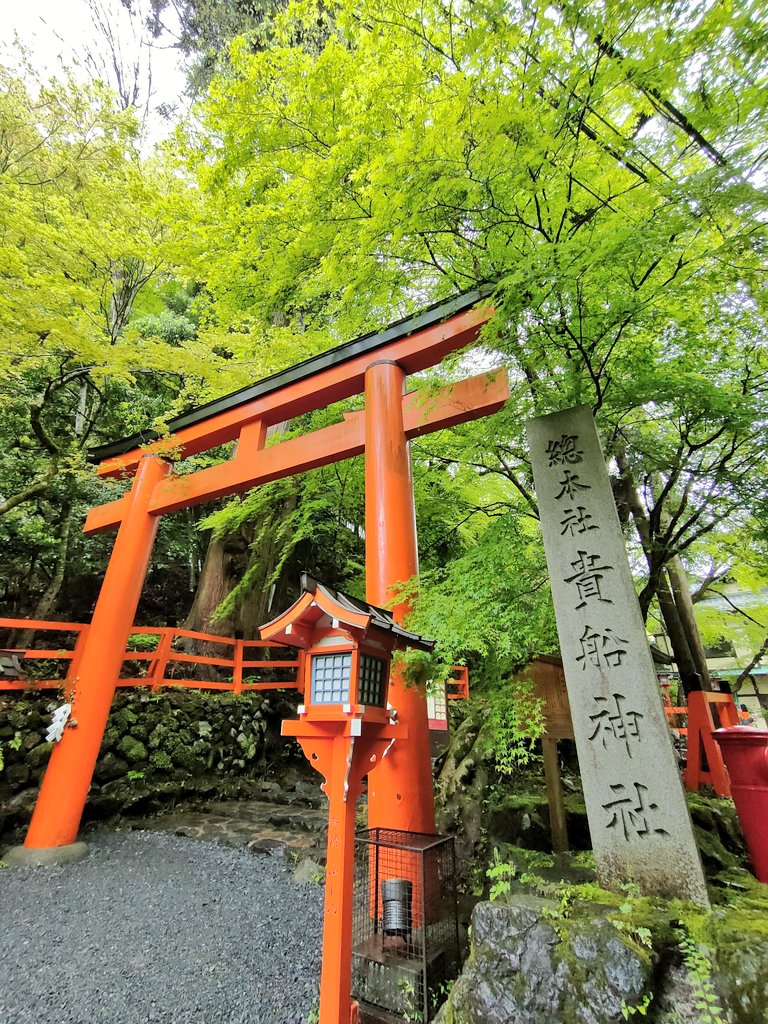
343	759
346	731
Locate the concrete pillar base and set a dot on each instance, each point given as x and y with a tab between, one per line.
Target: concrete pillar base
30	857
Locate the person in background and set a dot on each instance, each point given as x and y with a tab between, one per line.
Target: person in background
744	715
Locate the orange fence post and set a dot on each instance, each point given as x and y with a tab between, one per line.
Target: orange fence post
674	713
65	785
459	682
20	655
160	663
77	655
301	679
157	659
701	745
237	668
400	793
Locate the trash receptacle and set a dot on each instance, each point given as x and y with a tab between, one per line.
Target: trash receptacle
745	752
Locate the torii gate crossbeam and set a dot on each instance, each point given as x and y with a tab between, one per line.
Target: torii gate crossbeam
377	366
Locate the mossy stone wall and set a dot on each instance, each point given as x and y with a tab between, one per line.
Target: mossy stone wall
157	748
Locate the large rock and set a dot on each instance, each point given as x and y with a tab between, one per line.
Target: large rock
531	970
741	968
38	756
17	775
110	767
593	957
132	750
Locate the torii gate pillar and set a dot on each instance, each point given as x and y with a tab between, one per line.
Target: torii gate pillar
65	785
400	793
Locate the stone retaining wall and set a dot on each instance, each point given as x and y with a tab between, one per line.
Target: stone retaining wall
157	748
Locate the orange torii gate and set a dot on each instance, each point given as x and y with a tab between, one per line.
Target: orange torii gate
377	366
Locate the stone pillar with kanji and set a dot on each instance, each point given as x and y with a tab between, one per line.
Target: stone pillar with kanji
638	818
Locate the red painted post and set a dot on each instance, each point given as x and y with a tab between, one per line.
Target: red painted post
343	760
702	706
65	785
77	655
336	974
400	793
237	669
160	662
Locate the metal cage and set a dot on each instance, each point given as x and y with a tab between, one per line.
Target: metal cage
405	933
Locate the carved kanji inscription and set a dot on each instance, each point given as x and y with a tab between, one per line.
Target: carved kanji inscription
639	821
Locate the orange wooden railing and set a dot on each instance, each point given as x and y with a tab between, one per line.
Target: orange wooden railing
457	686
675	713
707	712
158	659
704	713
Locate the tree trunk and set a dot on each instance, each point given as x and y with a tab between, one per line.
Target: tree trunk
678	638
227	560
745	673
681	592
224	564
47	601
256	607
31	491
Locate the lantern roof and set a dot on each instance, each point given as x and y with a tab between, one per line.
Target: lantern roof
318	602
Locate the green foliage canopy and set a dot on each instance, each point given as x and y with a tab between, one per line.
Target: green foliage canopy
600	165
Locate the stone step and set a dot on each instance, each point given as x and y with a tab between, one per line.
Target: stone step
259	826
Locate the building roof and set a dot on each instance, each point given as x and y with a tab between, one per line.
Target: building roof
317	596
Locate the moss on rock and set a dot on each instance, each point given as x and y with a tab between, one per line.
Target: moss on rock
133	750
592	947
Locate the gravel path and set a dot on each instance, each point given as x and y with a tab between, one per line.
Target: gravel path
152	927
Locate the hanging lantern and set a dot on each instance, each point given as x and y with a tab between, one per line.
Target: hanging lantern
346	651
